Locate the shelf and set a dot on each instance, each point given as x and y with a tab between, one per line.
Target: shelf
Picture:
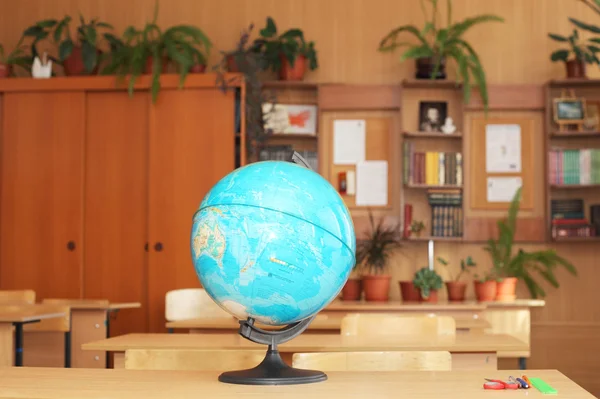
456	135
285	84
442	239
576	239
431	84
427	186
279	136
574	134
573	82
573	186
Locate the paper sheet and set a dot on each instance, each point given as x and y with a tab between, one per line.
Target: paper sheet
350	183
348	141
372	183
502	148
502	189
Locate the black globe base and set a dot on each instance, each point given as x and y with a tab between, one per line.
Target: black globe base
272	371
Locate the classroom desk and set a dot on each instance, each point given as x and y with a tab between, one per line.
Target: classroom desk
468	351
51	383
13	343
321	325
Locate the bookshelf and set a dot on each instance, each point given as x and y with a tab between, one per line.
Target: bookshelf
441	136
437	239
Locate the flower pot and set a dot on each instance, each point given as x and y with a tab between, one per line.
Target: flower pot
432	298
485	291
287	72
377	288
197	68
74	66
5	70
575	69
409	292
426	67
456	291
231	64
148	67
352	290
506	288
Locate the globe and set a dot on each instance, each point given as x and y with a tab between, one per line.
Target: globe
274	241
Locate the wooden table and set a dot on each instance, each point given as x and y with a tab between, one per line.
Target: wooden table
50	383
90	321
468	351
17	316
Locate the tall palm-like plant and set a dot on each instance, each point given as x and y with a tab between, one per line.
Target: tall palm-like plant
438	43
374	249
523	265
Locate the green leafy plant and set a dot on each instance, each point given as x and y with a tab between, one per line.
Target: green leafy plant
583	52
17	56
417	226
184	45
439	43
427	280
465	264
374	250
521	264
289	44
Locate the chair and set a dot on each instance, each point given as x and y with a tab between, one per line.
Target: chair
374	361
385	324
17	297
198	360
191	303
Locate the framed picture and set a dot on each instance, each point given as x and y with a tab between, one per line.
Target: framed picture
592	115
290	119
432	116
569	111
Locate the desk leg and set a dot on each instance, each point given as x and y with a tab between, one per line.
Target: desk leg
68	349
522	363
6	345
18	344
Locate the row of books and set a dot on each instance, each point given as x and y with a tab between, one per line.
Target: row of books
568	219
574	166
446	213
432	168
284	153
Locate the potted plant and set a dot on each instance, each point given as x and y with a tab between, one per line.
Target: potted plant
428	282
486	287
353	288
148	51
436	44
287	54
16	57
372	254
456	288
509	265
577	55
79	55
417	227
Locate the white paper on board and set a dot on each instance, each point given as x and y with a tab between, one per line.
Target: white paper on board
502	189
350	183
372	183
348	141
502	148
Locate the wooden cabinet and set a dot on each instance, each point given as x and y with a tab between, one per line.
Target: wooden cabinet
99	188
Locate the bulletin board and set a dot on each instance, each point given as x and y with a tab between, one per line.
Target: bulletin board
379	146
479	173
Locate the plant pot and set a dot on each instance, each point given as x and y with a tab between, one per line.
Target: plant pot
432	298
197	68
409	292
575	69
426	66
485	291
231	64
506	289
377	288
352	290
148	66
5	70
287	72
417	233
456	291
74	66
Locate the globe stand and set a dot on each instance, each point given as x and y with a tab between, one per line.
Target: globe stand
272	370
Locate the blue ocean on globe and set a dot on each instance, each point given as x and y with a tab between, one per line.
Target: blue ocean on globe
274	241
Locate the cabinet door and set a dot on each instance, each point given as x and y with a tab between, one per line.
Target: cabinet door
191	148
42	193
116	196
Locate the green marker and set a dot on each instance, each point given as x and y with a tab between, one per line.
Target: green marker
542	386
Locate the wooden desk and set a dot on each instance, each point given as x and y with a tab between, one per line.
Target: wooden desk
17	316
325	325
468	351
45	383
90	321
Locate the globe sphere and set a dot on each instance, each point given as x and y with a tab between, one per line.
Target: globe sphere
273	241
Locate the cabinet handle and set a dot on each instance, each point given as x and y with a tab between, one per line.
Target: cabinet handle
146	247
158	247
71	245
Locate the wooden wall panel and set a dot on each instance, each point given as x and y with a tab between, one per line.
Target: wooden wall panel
347	32
190	150
42	192
116	197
